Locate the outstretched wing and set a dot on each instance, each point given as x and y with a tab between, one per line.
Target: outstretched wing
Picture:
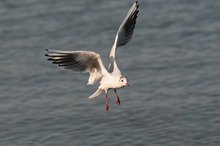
124	34
79	61
126	29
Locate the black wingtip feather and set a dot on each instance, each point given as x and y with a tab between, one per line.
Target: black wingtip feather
137	3
47	51
50	59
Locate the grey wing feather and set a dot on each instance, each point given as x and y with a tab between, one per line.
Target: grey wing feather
79	61
125	31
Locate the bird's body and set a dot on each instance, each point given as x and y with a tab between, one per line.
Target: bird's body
91	62
110	82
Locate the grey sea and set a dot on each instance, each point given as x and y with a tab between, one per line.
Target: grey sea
172	64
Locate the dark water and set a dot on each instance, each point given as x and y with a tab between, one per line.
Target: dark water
172	63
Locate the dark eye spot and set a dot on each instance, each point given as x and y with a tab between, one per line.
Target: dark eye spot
122	80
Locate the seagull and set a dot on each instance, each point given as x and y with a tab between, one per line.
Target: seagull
91	62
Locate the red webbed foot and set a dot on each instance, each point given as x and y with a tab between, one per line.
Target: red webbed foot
106	104
117	98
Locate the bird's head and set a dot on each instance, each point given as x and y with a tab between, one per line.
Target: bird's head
123	81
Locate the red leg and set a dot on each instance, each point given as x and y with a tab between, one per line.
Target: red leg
118	99
106	104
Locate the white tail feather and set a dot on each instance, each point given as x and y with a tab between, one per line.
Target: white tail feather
96	93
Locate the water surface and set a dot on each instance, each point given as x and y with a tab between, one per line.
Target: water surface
172	64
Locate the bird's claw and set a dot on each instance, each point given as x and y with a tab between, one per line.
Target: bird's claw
106	107
118	101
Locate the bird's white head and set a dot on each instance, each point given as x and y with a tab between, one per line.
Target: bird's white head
123	81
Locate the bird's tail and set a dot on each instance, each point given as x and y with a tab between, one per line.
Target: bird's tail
96	93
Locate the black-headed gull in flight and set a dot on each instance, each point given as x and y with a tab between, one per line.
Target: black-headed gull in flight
91	62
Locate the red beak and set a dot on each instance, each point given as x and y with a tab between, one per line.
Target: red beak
127	84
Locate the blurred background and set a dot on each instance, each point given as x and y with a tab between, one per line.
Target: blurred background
172	64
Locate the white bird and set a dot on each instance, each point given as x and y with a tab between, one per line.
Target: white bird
91	62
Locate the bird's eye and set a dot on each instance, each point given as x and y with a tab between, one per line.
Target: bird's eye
122	80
